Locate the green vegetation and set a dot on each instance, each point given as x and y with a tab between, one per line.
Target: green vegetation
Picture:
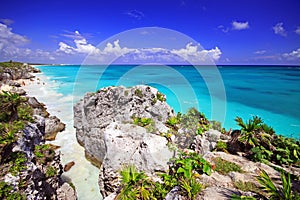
192	123
50	171
247	186
7	192
224	166
221	146
216	125
139	93
44	153
135	185
147	123
237	197
282	193
14	113
17	163
11	64
9	106
172	121
182	172
161	97
263	145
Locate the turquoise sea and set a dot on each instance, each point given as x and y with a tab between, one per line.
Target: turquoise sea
271	92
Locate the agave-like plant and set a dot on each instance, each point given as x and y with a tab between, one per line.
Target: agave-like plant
134	184
282	193
9	104
249	129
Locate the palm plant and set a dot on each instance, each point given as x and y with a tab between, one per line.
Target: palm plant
249	129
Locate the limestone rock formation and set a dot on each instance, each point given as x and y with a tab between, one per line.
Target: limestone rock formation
104	127
53	126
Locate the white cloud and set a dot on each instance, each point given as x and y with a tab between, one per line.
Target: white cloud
10	42
81	45
279	29
192	54
116	49
11	47
223	29
260	52
8	37
72	35
294	55
135	14
240	25
298	30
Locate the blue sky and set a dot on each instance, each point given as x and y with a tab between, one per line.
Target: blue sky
230	32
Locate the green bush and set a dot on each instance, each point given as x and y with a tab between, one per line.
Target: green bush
161	97
172	121
44	153
18	162
221	146
147	123
247	186
7	192
224	167
265	146
50	171
139	93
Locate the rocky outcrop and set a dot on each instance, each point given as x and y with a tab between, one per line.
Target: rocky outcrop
53	126
15	71
42	174
120	126
104	127
34	168
129	144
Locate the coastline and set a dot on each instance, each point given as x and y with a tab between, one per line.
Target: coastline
83	174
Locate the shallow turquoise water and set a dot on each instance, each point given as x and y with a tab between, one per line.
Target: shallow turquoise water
271	92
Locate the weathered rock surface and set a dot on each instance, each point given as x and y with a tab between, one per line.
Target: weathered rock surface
207	142
53	126
130	144
39	185
17	72
103	123
41	176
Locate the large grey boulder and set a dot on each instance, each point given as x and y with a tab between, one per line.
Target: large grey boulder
128	144
104	127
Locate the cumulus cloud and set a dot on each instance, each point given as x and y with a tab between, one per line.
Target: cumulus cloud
240	25
192	54
11	46
10	42
294	55
279	29
298	30
81	45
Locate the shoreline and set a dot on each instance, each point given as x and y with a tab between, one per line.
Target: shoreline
43	90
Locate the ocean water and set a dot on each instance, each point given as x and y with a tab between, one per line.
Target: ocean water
271	92
222	93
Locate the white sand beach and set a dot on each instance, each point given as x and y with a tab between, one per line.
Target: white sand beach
83	174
